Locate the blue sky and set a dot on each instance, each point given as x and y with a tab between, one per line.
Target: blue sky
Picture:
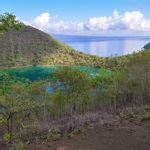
85	15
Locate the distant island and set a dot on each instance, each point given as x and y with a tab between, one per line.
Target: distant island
147	46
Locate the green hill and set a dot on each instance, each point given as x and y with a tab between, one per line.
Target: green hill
32	47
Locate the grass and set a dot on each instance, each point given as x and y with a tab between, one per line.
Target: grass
145	116
147	107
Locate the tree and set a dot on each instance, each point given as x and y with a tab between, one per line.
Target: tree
9	23
74	87
16	108
139	77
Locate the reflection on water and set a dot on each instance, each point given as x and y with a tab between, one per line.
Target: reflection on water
105	46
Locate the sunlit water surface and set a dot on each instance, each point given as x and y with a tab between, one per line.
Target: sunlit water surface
105	46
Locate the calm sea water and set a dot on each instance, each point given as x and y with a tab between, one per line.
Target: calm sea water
105	46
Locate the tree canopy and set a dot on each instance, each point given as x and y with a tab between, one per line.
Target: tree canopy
9	21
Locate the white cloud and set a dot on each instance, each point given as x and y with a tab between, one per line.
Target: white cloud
128	23
48	23
42	21
133	21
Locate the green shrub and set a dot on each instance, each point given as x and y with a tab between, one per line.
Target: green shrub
54	134
18	146
147	107
75	86
145	116
6	137
75	132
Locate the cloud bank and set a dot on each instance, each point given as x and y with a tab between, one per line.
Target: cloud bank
128	23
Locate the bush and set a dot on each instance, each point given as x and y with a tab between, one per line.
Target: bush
18	146
75	86
54	134
145	116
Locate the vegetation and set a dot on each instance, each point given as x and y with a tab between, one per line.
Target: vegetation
32	47
22	45
74	91
30	97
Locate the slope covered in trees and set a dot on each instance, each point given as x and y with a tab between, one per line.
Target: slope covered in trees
30	46
30	112
74	92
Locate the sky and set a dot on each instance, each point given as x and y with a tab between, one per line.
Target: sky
83	17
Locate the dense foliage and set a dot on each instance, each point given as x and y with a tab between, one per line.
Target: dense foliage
32	47
69	91
30	96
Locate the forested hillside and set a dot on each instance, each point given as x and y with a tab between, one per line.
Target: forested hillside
30	46
49	90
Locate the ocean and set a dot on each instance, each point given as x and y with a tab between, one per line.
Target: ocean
105	46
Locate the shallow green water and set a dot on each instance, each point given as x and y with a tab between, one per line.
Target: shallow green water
44	72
